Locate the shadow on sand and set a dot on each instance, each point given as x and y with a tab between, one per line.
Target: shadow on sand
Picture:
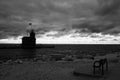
87	75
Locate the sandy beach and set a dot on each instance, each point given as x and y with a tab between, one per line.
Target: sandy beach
59	70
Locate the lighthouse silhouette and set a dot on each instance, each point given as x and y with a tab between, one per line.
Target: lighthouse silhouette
29	41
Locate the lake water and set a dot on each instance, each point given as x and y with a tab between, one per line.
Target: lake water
61	49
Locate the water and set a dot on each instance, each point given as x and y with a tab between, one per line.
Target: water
60	49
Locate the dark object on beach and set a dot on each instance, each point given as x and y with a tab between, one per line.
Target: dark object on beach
56	57
1	62
100	65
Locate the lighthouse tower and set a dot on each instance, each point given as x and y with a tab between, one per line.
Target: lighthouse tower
29	41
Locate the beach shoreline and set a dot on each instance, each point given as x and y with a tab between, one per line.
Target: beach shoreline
54	70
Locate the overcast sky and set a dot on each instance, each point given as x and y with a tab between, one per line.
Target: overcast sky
61	21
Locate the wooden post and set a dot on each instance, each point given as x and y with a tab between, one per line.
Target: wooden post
93	69
102	66
106	65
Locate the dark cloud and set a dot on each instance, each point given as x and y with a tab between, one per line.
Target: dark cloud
108	19
115	40
95	36
108	7
59	33
59	15
11	30
95	27
14	15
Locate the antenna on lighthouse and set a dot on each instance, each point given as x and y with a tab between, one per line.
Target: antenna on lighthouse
30	24
29	29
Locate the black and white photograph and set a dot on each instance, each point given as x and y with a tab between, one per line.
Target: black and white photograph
59	39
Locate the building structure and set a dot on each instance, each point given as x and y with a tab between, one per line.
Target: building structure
29	41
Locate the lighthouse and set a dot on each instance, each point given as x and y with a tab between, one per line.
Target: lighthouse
29	41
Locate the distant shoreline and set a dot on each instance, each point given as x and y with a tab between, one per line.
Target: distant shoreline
38	46
19	46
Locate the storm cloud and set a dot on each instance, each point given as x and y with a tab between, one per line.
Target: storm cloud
63	16
105	20
109	7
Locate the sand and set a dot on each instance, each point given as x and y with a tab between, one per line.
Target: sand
59	70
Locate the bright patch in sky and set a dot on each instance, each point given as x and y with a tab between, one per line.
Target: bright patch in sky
69	39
